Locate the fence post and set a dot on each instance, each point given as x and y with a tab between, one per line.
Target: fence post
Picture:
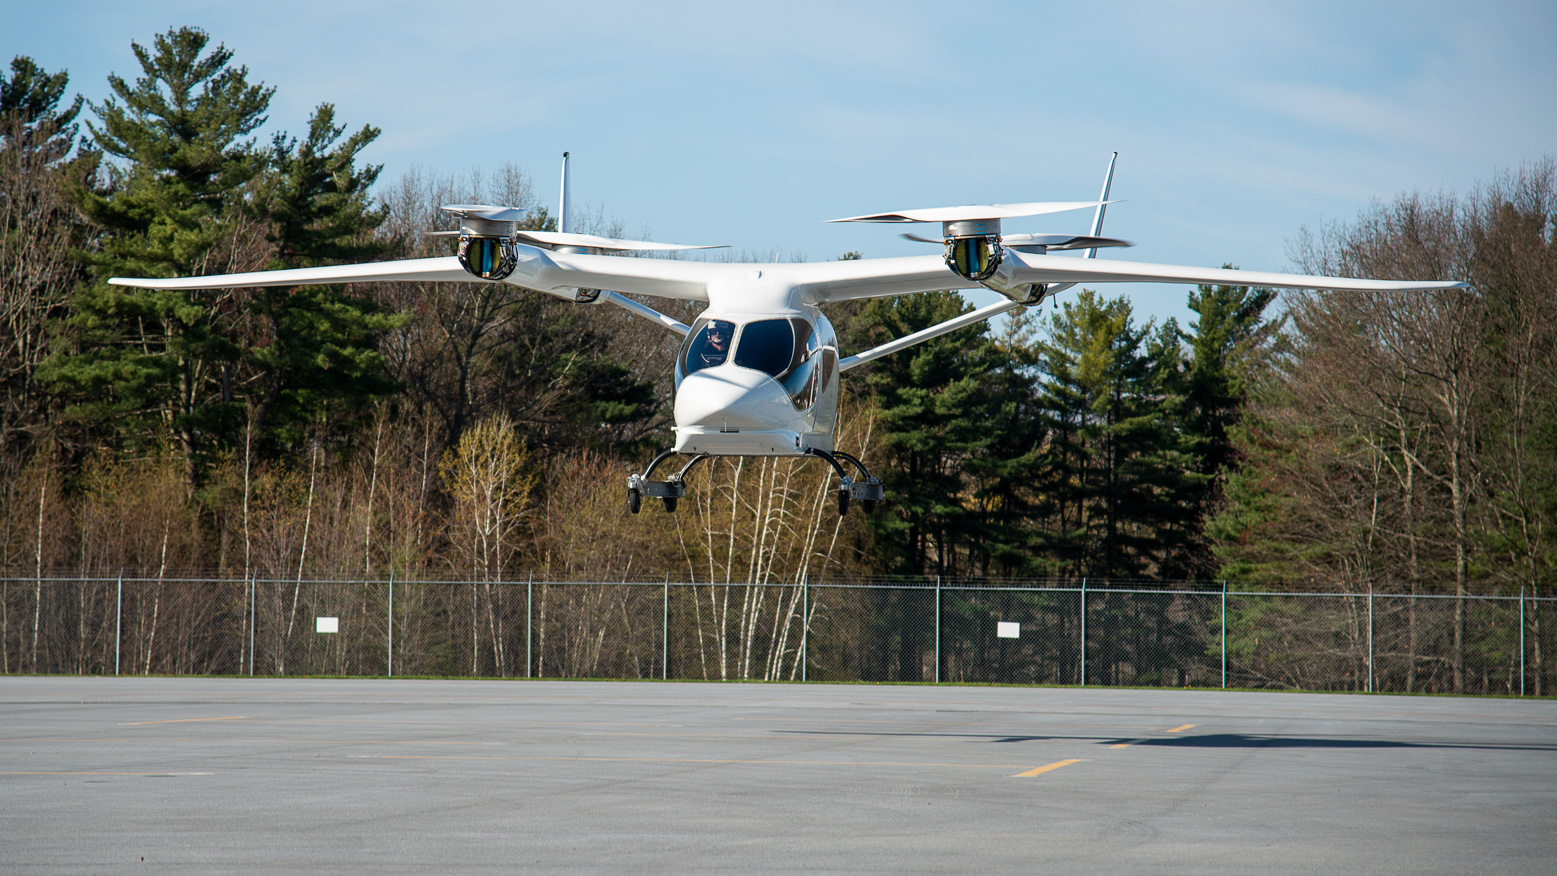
529	623
119	617
805	623
253	617
1083	632
937	629
1224	634
1370	637
390	656
1521	640
665	633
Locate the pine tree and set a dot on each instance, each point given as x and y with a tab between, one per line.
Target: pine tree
934	409
1227	344
153	362
1116	468
30	110
312	352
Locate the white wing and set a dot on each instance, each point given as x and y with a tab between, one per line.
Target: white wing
537	269
815	281
446	269
839	281
1064	269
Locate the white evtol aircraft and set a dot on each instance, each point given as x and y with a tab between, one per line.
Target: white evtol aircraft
757	371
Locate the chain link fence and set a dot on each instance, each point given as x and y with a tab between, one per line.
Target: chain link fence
924	631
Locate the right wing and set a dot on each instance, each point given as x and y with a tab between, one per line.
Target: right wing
537	269
446	269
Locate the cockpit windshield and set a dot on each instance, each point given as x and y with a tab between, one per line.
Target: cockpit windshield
768	345
787	349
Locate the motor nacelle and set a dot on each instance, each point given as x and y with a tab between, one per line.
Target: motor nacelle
974	258
973	249
488	256
974	252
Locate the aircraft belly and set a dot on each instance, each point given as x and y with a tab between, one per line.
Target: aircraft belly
753	442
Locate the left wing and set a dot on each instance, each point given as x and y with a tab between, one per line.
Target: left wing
878	277
1033	268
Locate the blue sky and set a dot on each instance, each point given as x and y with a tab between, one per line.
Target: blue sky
749	124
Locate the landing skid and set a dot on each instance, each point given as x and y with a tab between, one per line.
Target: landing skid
867	490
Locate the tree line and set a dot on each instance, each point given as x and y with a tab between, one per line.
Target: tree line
1404	442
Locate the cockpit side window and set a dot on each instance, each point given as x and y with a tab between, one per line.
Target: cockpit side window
802	384
709	345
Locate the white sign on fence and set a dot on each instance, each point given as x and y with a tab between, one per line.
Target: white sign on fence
327	624
1008	629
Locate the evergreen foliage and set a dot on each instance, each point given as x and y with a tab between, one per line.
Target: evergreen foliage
192	194
30	109
154	363
937	417
1116	469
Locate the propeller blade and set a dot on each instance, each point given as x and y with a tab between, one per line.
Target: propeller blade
1061	241
973	212
550	239
1047	241
484	211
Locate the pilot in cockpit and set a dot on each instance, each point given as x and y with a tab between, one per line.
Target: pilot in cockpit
716	344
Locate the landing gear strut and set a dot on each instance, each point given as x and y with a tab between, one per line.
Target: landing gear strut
867	489
668	490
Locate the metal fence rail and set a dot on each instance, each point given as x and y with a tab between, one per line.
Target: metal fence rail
975	632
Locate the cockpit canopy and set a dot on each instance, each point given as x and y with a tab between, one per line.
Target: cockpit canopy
789	349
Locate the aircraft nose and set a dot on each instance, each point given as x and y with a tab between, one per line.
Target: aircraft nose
731	399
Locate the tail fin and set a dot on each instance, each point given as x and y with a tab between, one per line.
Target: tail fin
562	200
1102	205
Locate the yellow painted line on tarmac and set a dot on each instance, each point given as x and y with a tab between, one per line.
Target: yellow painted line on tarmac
1126	744
1183	728
1038	771
184	721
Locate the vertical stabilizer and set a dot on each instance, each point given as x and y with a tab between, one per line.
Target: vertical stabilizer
1102	205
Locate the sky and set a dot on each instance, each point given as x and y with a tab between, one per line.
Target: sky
749	124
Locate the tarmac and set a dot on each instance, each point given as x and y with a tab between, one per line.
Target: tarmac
201	775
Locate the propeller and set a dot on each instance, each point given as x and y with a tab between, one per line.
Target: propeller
976	248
